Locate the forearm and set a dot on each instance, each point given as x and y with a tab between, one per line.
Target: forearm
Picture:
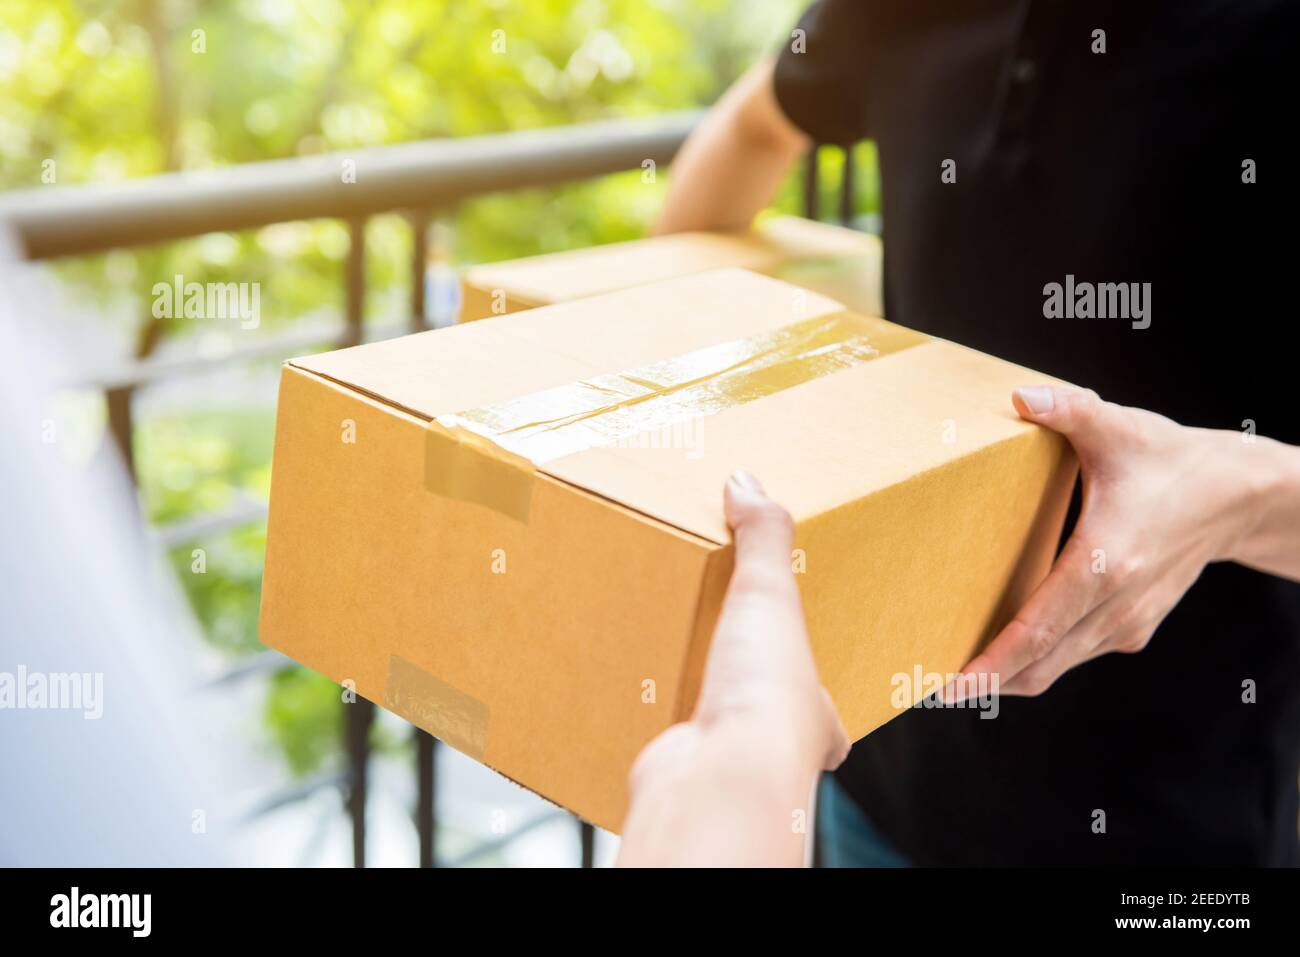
731	165
721	797
1270	540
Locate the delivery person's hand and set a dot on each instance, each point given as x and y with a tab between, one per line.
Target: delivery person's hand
1160	501
732	786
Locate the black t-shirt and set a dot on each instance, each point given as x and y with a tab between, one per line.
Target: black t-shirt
1119	166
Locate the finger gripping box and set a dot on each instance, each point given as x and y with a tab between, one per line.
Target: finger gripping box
510	532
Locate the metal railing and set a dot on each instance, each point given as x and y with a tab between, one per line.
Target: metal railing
421	180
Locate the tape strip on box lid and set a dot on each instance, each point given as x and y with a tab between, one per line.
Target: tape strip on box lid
489	455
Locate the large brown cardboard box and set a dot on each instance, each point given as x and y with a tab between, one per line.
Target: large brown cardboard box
838	262
511	533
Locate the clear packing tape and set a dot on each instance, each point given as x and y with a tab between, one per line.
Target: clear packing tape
489	455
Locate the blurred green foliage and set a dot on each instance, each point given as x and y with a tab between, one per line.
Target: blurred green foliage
95	92
195	462
302	713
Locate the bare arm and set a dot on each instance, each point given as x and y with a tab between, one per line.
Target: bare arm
728	169
1271	543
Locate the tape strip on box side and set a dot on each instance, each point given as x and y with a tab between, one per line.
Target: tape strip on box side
469	467
447	713
489	455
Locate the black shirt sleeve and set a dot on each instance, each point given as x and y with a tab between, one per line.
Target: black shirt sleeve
821	75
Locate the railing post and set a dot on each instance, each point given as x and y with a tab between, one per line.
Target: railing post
426	808
355	283
846	188
588	836
810	185
419	261
426	821
358	716
118	399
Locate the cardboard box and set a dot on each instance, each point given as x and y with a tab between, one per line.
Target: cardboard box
841	263
510	532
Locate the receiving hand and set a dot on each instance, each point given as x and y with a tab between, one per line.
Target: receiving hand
728	786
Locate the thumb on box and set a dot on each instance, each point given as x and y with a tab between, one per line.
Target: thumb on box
762	529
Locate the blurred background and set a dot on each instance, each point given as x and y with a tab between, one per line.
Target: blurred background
98	94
